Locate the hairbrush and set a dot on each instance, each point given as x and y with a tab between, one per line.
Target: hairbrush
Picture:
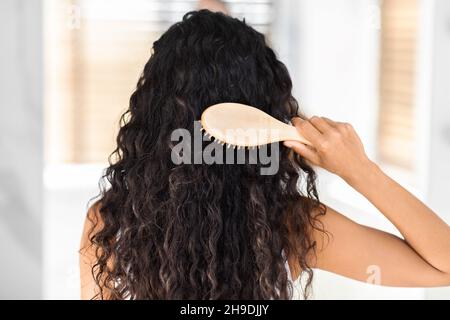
239	125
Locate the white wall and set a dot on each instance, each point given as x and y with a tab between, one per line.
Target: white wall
439	105
20	148
333	61
68	189
335	73
434	110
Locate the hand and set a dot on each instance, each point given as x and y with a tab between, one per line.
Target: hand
336	147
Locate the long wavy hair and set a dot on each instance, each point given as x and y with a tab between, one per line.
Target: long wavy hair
197	231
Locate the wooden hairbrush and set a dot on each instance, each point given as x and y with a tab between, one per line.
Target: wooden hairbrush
239	125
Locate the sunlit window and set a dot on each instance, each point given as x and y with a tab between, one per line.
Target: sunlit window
95	51
397	82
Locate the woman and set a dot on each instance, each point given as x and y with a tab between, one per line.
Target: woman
166	231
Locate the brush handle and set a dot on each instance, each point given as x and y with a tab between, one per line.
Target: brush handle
290	132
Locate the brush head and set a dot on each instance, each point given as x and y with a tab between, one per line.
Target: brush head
245	126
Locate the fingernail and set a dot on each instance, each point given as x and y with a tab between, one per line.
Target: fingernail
288	144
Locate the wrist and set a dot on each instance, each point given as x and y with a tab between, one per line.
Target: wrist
365	172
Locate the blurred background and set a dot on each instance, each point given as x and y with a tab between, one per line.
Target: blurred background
68	68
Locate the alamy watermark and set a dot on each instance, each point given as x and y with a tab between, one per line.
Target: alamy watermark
73	21
189	150
374	272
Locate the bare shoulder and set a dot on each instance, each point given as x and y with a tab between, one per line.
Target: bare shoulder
87	253
327	221
330	226
92	223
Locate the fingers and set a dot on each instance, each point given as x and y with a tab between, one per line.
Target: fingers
308	130
321	131
336	124
330	122
321	124
304	150
340	126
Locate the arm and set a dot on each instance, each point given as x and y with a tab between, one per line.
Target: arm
421	259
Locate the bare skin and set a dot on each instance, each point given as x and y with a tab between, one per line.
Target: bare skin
87	256
421	259
212	5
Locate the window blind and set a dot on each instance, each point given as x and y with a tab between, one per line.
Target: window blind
95	52
397	77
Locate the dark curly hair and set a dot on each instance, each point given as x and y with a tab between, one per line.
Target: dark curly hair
202	231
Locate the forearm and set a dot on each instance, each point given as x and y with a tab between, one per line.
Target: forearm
422	229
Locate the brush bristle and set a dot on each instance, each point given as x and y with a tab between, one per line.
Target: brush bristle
226	144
